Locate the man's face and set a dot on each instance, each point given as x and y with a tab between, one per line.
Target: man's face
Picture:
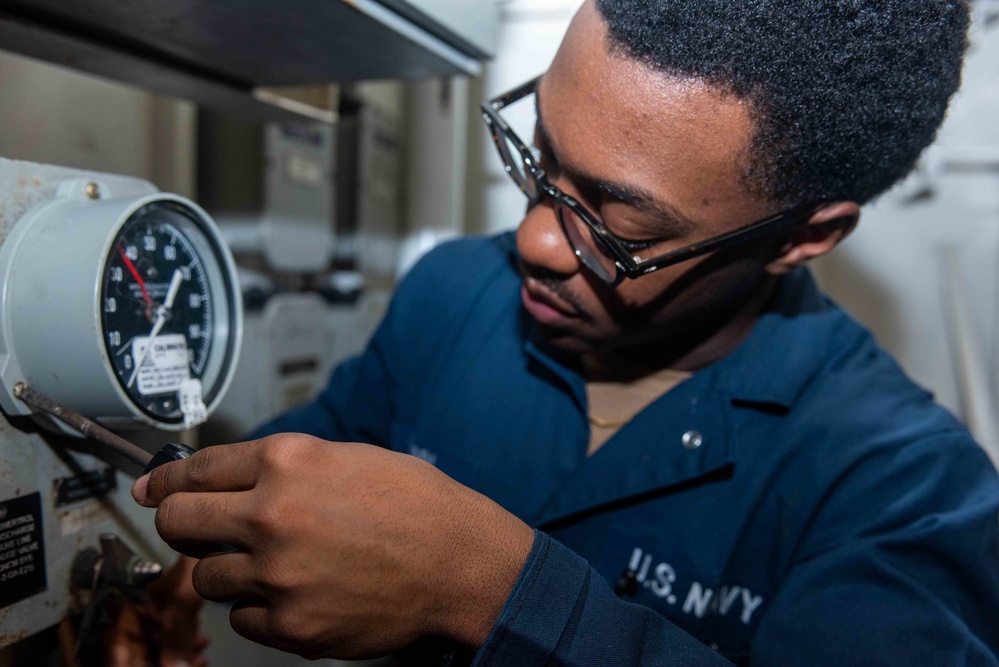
657	158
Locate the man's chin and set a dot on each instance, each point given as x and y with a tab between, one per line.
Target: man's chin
567	342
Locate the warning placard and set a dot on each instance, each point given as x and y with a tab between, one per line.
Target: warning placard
165	366
22	551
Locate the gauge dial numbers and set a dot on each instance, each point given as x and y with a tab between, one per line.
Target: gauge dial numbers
164	312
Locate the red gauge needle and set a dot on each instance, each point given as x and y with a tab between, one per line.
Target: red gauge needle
138	278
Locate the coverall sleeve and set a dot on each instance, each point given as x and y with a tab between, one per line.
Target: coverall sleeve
883	579
901	569
562	613
355	406
359	402
364	394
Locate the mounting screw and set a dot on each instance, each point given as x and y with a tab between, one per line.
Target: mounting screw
93	191
19	389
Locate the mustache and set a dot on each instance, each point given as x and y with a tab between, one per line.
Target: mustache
563	292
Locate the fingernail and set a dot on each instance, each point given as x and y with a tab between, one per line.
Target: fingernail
139	489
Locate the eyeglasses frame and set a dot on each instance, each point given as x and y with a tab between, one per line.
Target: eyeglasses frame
625	263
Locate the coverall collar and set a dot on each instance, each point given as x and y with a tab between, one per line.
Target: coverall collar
653	452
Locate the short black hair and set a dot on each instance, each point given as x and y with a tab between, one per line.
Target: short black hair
845	94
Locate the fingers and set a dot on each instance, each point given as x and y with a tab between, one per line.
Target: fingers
187	521
227	577
274	626
221	468
251	619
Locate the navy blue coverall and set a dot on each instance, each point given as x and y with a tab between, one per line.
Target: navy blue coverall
832	514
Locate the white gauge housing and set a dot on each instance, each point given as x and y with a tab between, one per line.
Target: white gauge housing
53	266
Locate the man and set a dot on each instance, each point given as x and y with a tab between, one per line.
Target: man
695	458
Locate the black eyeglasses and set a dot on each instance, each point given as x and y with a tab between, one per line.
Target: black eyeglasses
603	253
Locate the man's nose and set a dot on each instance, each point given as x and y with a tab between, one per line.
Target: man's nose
542	243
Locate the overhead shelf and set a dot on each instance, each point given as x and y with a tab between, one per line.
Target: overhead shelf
220	53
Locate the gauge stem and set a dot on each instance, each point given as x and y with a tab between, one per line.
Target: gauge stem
80	423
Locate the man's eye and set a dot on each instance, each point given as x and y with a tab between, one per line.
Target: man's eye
636	246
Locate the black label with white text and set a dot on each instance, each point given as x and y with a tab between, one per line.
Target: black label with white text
85	485
22	550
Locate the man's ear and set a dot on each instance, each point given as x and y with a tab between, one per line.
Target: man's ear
820	234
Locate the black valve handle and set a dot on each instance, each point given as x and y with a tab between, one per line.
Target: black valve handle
171	452
176	452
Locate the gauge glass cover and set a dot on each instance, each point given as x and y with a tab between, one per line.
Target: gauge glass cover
165	315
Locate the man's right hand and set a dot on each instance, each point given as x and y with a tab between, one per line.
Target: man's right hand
342	550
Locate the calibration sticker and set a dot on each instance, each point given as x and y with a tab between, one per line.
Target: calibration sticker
163	367
22	552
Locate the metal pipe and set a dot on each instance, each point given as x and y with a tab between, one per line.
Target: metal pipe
80	423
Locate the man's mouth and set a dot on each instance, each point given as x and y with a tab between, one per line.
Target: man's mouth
546	306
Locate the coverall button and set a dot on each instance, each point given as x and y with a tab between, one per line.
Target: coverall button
692	440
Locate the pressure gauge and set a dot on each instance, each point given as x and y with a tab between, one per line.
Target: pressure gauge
124	309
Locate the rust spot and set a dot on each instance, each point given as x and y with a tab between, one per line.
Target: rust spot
8	638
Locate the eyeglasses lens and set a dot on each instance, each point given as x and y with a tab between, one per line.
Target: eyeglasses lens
513	160
515	151
520	116
589	249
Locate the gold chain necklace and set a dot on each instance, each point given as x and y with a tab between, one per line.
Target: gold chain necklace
606	423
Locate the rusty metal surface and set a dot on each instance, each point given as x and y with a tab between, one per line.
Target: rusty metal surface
24	185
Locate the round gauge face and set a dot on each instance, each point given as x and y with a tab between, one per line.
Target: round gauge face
165	310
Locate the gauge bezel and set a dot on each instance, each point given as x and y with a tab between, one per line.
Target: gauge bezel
52	265
219	273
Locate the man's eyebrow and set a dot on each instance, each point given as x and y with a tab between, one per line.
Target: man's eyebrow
638	198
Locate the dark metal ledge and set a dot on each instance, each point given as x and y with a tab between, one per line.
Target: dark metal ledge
219	52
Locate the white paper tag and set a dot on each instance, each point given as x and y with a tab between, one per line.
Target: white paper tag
165	367
192	405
